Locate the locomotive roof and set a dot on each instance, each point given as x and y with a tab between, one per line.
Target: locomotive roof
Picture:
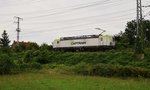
79	37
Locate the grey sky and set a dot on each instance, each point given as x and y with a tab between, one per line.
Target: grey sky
46	20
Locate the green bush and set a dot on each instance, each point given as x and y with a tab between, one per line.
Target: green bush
32	46
7	66
35	65
107	70
38	56
82	68
28	57
43	57
30	66
44	46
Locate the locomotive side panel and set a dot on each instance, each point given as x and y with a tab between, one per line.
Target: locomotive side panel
77	43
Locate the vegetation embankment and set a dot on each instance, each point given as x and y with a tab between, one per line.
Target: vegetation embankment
109	63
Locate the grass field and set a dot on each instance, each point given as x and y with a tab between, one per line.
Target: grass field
49	80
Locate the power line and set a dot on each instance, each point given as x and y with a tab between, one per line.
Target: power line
78	7
7	25
75	6
146	14
98	17
107	15
146	6
69	10
21	3
73	9
57	29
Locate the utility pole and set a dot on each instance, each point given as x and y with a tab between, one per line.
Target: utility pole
139	50
18	27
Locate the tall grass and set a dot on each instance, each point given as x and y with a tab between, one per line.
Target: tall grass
50	80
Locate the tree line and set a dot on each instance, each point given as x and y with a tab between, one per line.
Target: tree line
128	37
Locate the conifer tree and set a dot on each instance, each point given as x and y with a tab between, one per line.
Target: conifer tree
5	39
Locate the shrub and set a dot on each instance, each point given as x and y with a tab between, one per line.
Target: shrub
43	57
35	65
102	70
6	64
82	68
30	66
107	70
32	46
38	56
5	50
44	46
28	56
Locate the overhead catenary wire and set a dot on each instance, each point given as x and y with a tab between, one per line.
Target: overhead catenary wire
71	26
71	10
21	2
105	19
66	7
61	12
146	14
75	6
106	0
106	16
56	9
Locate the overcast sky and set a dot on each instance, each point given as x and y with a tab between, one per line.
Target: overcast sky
46	20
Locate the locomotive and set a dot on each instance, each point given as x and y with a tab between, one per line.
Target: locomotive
84	43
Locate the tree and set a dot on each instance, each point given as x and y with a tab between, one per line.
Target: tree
45	46
121	40
130	31
5	40
32	45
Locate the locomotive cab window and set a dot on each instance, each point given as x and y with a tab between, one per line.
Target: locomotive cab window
111	43
101	39
57	42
